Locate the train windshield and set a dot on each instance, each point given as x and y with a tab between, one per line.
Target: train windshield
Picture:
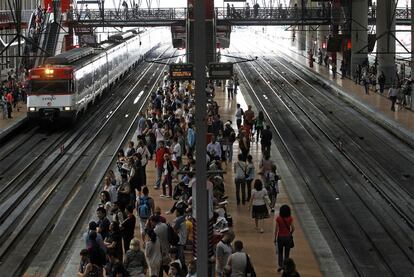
42	87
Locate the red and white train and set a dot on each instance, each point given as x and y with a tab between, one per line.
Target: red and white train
68	83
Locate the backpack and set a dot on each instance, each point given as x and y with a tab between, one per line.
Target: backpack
173	237
144	210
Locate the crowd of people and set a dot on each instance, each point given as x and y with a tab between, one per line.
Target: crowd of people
399	91
12	93
165	138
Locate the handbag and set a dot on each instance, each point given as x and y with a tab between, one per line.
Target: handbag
291	243
249	268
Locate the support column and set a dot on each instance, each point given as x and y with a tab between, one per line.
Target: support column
322	33
200	55
359	34
386	40
310	38
301	37
301	30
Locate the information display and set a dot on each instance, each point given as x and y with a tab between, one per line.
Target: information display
182	71
220	70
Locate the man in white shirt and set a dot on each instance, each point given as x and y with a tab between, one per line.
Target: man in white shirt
176	158
214	148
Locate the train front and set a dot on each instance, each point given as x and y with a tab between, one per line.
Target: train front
51	93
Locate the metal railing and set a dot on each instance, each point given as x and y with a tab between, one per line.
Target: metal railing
128	15
293	14
7	17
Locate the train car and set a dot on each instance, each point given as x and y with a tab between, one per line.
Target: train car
69	83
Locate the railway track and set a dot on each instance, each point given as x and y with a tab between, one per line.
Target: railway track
372	223
39	217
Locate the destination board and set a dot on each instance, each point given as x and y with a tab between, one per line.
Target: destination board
220	70
182	71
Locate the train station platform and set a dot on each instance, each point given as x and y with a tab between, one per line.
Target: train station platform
8	125
373	105
259	246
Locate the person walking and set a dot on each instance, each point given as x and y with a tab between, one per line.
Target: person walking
266	141
168	169
229	137
190	139
244	144
283	234
365	82
230	87
381	82
248	119
258	204
250	175
392	95
9	99
223	252
259	122
239	116
239	262
240	179
333	64
343	69
145	208
265	167
357	74
153	253
161	230
159	163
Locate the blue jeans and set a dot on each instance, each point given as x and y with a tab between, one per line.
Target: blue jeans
159	175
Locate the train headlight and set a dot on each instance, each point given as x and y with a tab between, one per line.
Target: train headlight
32	109
49	71
67	108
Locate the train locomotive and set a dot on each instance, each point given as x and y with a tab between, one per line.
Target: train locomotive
68	83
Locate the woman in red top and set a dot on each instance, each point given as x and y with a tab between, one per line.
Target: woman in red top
283	234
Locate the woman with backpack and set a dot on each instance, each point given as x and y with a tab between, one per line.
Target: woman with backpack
145	208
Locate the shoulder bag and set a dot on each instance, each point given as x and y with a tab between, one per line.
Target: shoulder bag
291	242
249	268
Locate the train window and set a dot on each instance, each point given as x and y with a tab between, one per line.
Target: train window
42	87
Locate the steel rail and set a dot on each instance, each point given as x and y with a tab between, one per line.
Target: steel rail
51	191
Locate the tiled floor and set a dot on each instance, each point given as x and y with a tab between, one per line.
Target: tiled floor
260	246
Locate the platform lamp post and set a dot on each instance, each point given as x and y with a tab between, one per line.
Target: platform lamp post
201	130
